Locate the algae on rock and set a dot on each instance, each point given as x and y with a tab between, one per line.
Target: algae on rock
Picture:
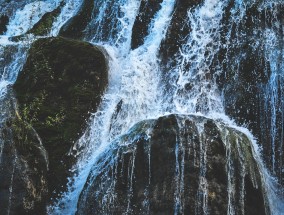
59	86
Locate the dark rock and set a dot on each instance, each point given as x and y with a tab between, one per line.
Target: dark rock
23	166
43	26
175	164
60	84
246	77
4	20
178	31
147	11
74	28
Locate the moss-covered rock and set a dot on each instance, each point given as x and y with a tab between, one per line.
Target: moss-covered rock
23	166
176	164
43	26
60	84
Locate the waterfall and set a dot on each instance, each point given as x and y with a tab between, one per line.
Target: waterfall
69	9
273	97
141	89
133	93
194	88
24	19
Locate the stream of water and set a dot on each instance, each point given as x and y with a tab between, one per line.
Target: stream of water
135	91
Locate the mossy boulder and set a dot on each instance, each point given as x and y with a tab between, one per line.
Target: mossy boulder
176	164
59	86
43	26
23	165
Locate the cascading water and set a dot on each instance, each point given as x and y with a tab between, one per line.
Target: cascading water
69	10
132	95
13	56
194	89
273	98
136	93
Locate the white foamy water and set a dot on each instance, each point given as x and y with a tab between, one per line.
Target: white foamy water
194	88
70	9
133	89
25	18
135	92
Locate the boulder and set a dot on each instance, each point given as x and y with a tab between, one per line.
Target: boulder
23	164
176	164
59	86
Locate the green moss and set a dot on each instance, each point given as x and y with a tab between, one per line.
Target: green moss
43	27
60	84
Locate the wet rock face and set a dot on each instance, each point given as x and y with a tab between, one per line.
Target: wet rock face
23	166
3	23
60	84
181	164
43	26
246	83
75	27
177	32
147	11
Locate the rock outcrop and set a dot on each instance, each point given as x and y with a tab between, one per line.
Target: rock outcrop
60	84
75	27
23	164
176	164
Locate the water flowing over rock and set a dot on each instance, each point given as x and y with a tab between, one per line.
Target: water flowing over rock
176	165
144	116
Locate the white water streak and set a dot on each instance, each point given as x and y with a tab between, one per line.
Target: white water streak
25	19
70	8
193	68
133	83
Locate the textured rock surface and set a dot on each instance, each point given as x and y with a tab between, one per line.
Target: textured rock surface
43	26
250	96
3	23
60	84
75	27
175	164
23	166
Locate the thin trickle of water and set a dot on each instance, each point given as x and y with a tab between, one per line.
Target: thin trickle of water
180	166
12	183
274	105
202	192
